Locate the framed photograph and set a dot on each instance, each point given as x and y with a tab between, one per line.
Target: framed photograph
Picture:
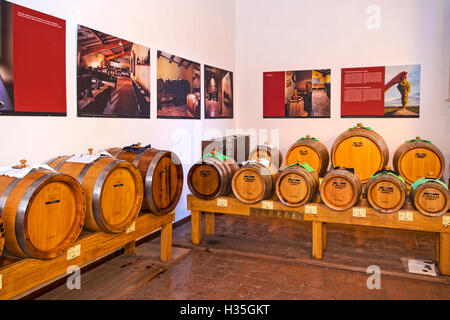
218	93
178	86
297	94
32	62
113	76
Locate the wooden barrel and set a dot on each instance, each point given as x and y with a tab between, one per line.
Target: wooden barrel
362	149
296	107
340	189
430	197
211	176
311	151
113	188
162	174
264	151
254	182
2	236
297	185
43	213
386	191
414	159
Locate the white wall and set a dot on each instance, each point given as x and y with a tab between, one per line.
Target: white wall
199	30
295	35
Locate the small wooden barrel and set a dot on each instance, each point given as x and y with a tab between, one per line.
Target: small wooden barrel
362	149
211	177
296	107
297	185
162	175
264	151
340	189
43	213
414	159
386	192
2	236
430	197
311	151
254	182
113	188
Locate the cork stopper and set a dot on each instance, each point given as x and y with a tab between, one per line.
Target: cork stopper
431	174
417	138
213	152
90	150
265	142
23	164
388	168
359	125
138	144
308	136
341	167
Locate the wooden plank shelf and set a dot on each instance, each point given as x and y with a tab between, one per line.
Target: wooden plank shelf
319	215
19	278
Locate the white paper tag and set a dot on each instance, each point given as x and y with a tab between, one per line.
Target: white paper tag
405	215
264	162
311	209
221	202
446	220
132	227
267	204
88	158
20	173
421	267
359	212
74	252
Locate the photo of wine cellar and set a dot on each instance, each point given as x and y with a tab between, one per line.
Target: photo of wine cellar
178	85
218	93
113	77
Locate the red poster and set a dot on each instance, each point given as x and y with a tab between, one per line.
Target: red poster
38	64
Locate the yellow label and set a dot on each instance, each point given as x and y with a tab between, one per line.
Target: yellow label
405	215
267	205
446	220
131	228
1	281
221	202
74	252
310	209
359	212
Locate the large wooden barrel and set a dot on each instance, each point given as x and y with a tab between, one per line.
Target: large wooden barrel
430	196
265	151
162	175
2	236
340	189
211	176
297	184
362	149
311	151
113	188
386	191
254	182
415	158
43	213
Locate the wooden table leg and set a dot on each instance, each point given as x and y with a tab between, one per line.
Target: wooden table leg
209	223
130	248
317	239
437	252
196	226
166	242
444	253
324	236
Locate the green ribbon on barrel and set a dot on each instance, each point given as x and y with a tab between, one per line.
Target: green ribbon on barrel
306	138
391	173
304	165
218	155
358	127
428	141
423	180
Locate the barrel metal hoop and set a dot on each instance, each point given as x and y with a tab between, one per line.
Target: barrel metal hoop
97	191
139	156
6	193
84	171
22	209
60	164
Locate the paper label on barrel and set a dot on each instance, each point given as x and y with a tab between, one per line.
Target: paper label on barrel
405	215
446	220
74	252
359	212
267	205
132	227
310	209
221	202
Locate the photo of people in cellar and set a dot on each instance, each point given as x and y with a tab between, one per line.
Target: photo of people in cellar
113	77
218	93
178	85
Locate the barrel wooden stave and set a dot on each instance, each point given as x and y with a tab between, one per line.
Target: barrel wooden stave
254	182
264	151
312	152
2	236
162	175
431	199
416	159
363	150
296	186
340	189
43	213
386	193
113	189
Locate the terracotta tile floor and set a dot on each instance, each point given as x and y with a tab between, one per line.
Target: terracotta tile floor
218	275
